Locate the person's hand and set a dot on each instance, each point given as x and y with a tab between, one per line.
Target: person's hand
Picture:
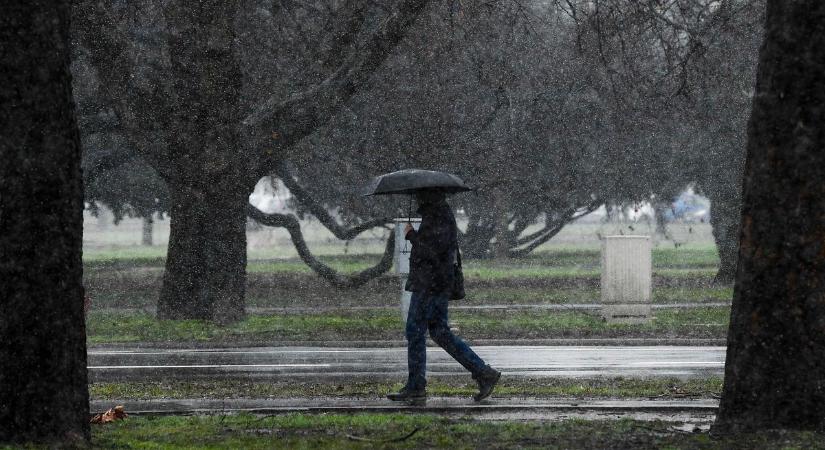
407	229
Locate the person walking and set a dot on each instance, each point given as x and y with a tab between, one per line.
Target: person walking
432	280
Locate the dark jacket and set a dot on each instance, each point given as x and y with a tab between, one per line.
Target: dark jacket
434	247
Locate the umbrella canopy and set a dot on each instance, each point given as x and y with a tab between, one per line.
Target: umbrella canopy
408	181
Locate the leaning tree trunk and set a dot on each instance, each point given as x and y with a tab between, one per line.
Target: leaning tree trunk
775	369
43	386
205	275
725	214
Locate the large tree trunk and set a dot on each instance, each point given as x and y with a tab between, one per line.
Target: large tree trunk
205	275
43	386
725	214
206	260
775	369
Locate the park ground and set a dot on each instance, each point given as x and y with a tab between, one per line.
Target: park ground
546	297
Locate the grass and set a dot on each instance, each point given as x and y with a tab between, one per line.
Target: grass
660	294
113	327
372	430
139	254
663	388
556	262
318	294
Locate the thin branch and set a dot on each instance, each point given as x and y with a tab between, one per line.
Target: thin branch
338	280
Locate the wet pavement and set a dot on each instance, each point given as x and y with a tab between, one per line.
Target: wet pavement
330	363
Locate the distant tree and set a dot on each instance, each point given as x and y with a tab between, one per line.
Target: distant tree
725	80
114	174
775	366
43	387
473	102
551	110
685	68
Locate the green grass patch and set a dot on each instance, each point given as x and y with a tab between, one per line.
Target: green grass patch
706	257
318	294
339	263
515	295
105	327
319	431
111	327
448	387
498	272
123	254
692	294
557	262
661	294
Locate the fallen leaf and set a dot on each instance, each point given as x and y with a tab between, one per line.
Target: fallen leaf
113	414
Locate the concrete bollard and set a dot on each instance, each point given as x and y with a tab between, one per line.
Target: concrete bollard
402	261
627	272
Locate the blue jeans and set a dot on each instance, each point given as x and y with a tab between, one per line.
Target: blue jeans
429	312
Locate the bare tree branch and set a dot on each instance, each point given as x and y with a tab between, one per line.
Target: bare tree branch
338	280
97	30
277	124
553	228
318	210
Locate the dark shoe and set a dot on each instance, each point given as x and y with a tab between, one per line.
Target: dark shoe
416	398
486	383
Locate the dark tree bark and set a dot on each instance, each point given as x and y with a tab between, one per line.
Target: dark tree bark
205	275
43	386
476	242
725	214
775	369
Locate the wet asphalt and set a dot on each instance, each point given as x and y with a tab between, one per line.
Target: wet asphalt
331	363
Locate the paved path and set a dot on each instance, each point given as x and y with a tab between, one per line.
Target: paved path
308	363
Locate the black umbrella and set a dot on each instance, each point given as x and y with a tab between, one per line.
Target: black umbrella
408	181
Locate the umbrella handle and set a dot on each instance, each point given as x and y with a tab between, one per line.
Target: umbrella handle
409	221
